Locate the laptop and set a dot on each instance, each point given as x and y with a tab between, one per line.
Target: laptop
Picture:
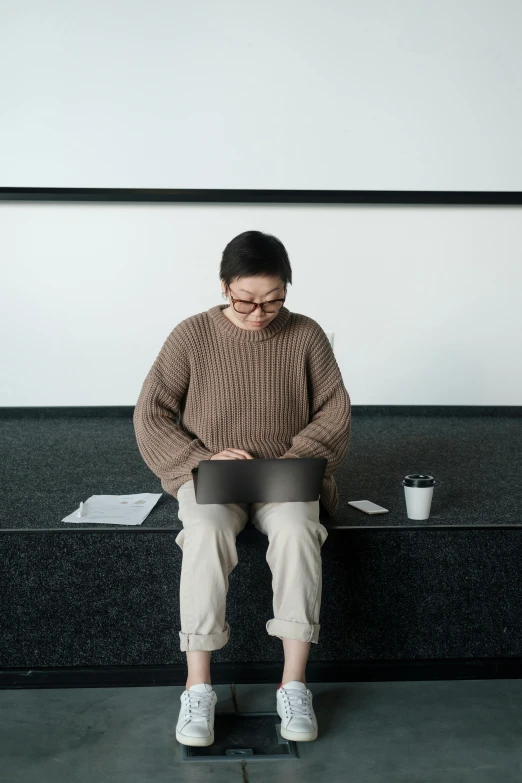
258	480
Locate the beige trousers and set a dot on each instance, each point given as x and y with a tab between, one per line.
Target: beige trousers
208	541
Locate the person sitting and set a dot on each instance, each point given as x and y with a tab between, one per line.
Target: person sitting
246	380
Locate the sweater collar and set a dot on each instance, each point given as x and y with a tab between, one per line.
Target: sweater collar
233	332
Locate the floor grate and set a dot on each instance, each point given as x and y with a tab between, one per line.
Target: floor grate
255	736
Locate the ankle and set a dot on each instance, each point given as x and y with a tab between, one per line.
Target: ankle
189	683
285	680
198	666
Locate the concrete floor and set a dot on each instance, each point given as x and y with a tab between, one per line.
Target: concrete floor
457	731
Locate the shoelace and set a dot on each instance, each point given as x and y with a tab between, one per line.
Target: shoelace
299	702
198	704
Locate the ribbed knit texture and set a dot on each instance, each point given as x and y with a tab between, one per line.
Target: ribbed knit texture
272	392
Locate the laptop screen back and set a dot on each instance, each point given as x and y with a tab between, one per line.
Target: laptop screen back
259	480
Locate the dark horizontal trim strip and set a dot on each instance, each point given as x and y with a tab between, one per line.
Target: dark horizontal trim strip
126	411
127	529
135	195
265	672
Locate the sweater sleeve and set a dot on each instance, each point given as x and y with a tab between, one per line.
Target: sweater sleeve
166	447
328	432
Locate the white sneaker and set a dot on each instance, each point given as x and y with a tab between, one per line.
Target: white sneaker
294	707
196	717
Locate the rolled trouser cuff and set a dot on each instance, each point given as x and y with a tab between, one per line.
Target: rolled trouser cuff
207	641
291	629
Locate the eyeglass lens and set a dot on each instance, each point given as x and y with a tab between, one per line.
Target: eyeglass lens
248	307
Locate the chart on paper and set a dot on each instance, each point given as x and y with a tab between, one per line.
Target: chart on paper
115	509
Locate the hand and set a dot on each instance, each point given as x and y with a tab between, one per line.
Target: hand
232	454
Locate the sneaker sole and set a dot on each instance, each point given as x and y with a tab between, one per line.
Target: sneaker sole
298	736
195	741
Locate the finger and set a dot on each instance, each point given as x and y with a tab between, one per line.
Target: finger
242	453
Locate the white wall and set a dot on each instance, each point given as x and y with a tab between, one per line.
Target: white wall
282	94
424	302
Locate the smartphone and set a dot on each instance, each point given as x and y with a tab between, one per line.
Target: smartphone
367	506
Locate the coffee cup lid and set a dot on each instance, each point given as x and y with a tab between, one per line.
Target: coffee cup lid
418	480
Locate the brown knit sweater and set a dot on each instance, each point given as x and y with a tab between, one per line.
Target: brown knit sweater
272	392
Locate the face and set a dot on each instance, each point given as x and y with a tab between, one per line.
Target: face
253	289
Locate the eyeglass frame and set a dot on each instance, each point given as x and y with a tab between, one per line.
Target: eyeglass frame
260	304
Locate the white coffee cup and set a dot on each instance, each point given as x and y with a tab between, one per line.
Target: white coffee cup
418	491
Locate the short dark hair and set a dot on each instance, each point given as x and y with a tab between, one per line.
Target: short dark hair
254	254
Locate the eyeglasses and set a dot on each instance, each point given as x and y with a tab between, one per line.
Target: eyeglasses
242	306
